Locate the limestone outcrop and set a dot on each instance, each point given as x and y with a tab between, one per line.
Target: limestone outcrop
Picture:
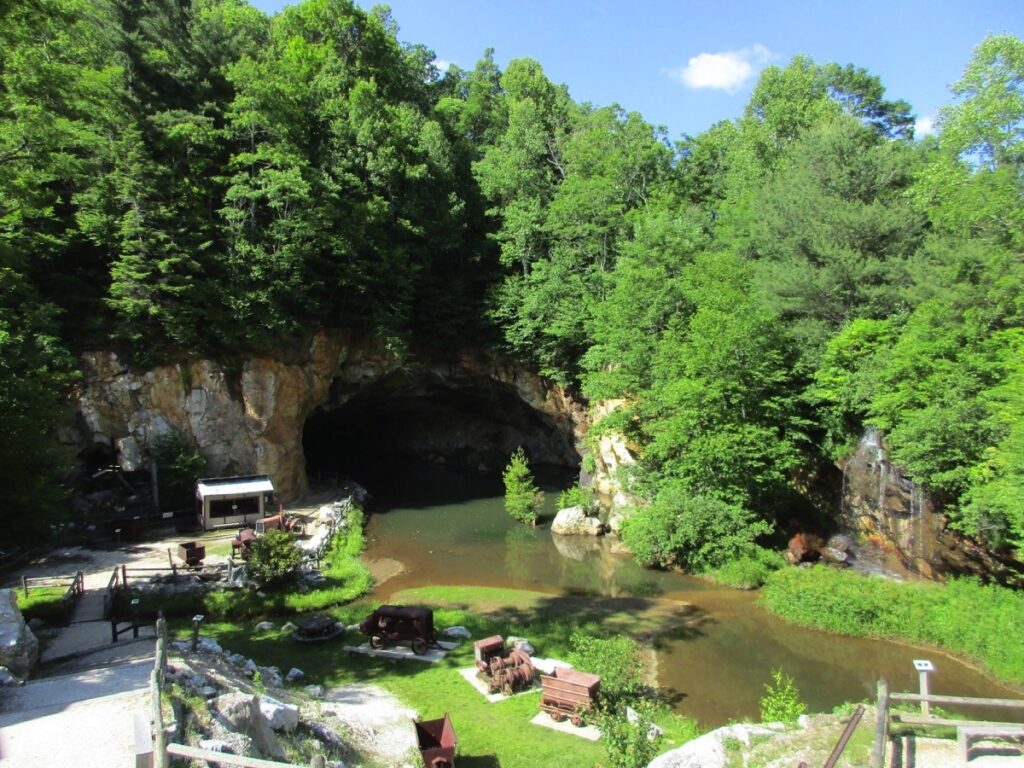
249	419
573	521
19	649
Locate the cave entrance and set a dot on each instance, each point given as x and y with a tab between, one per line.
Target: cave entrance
412	441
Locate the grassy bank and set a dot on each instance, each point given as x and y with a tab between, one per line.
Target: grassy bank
981	622
489	734
46	603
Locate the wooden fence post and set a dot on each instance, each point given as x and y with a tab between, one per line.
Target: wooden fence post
882	726
124	577
24	584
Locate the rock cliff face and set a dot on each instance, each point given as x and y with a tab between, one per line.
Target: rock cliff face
879	500
251	420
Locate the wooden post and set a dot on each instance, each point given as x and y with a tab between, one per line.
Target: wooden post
882	726
143	742
24	584
170	558
925	706
124	577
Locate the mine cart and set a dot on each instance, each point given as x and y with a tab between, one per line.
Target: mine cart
400	623
569	693
484	650
312	629
437	742
192	552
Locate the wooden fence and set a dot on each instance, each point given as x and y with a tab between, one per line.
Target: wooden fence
75	588
965	728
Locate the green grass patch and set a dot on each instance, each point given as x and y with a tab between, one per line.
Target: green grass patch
982	622
46	603
747	572
489	734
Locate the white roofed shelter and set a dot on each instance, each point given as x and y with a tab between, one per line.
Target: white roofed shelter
223	502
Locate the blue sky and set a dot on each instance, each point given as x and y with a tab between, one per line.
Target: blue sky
688	64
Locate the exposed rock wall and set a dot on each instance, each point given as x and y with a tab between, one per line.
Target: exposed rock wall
880	500
251	420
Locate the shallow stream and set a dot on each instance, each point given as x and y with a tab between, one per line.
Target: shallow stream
449	528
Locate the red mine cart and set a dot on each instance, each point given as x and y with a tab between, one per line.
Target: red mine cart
437	742
569	693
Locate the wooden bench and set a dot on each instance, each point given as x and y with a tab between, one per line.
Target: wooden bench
966	734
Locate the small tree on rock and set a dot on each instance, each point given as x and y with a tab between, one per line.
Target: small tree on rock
523	499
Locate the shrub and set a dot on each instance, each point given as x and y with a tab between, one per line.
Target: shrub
523	500
179	465
576	497
275	559
628	743
616	659
781	701
748	572
690	531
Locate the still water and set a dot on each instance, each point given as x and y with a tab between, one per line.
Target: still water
448	528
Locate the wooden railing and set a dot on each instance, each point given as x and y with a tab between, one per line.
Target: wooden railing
118	582
885	714
75	588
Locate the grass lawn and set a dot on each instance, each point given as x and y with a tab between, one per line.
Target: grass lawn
489	734
44	603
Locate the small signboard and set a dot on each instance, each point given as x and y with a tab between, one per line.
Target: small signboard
923	665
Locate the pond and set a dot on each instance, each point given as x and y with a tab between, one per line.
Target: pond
450	528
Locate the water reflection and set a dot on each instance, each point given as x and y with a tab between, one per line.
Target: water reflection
713	664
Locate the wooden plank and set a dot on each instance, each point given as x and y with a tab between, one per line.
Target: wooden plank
851	726
223	758
971	700
907	718
143	742
882	726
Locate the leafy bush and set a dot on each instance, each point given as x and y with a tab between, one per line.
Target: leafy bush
781	701
628	742
576	497
616	659
693	532
964	616
523	500
276	559
179	465
748	572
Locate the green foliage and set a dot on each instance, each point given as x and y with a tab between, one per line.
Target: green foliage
748	572
628	741
963	616
781	701
523	499
692	532
576	497
276	559
616	659
179	466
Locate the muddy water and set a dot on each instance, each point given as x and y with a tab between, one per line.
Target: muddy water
453	530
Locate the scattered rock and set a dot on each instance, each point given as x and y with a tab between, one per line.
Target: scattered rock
181	645
573	521
326	736
237	659
460	632
209	645
36	623
9	678
294	674
271	676
250	668
315	691
19	648
215	745
208	692
281	716
653	731
264	626
805	548
288	627
548	666
520	644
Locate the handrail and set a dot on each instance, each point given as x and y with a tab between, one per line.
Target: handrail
975	701
840	746
223	758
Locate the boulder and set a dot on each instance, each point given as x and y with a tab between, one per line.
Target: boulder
9	678
459	632
708	751
209	645
573	521
241	713
294	674
19	649
264	626
271	676
805	548
520	644
314	691
281	716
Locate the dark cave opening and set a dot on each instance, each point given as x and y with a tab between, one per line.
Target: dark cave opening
415	442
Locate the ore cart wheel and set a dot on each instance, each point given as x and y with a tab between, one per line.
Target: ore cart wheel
507	689
440	762
376	641
419	646
576	720
557	716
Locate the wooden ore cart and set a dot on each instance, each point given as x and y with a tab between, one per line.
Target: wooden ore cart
437	742
569	693
401	624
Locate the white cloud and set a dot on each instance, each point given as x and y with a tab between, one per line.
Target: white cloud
442	65
725	71
924	126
